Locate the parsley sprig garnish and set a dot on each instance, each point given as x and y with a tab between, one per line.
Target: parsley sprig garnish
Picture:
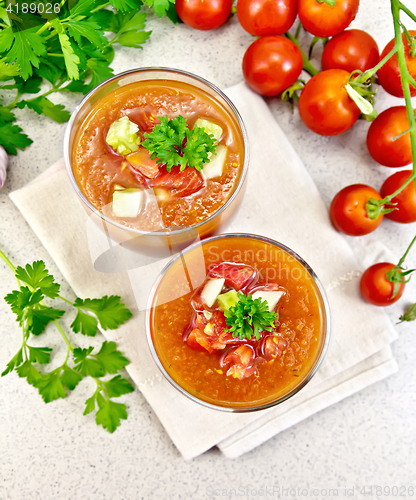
172	143
33	315
69	50
249	318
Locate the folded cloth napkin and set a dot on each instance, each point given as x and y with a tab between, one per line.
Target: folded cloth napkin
281	202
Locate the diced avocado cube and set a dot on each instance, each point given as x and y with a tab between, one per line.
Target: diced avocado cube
210	128
227	300
128	202
122	136
215	167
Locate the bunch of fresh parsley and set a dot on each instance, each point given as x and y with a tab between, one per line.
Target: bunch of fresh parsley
68	50
249	317
33	315
172	143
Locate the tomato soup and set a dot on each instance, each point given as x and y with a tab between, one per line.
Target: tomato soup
190	334
170	199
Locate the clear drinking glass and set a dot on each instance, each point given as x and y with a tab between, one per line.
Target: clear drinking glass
170	239
168	309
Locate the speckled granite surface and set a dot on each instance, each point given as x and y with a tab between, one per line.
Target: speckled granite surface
53	452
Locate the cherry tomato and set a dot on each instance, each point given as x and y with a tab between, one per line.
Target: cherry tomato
322	20
389	73
203	14
381	138
350	50
376	288
267	17
348	210
271	64
324	105
406	200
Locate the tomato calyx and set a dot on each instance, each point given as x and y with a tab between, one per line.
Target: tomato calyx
331	3
362	93
411	40
409	315
397	276
290	95
375	208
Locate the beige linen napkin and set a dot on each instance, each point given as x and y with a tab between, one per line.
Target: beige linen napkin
281	202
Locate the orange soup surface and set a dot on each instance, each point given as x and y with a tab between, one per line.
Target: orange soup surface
191	338
171	199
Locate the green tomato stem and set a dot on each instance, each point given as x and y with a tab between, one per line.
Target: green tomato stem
407	11
307	65
370	72
403	258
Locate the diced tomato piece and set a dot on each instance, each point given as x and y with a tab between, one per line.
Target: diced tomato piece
273	347
146	118
240	362
181	184
192	341
236	276
140	160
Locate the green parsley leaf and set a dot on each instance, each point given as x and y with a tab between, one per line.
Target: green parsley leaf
15	361
6	115
70	378
6	39
40	355
131	39
126	5
25	51
110	312
20	299
100	71
50	72
111	359
72	61
109	415
11	137
172	143
248	318
50	387
90	405
87	365
42	105
87	29
85	323
37	276
118	386
160	6
28	371
128	29
85	7
8	71
38	317
31	86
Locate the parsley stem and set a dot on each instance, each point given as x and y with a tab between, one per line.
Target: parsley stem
7	261
64	336
66	300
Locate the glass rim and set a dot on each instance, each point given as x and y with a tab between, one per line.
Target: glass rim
170	230
325	314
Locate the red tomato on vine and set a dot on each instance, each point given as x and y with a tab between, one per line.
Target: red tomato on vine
324	20
325	106
350	50
348	210
383	142
405	201
376	288
271	64
267	17
389	73
204	14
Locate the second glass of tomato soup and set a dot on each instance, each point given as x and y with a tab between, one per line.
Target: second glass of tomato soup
238	322
148	197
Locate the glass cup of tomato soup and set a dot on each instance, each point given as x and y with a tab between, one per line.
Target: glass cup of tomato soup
135	197
238	322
